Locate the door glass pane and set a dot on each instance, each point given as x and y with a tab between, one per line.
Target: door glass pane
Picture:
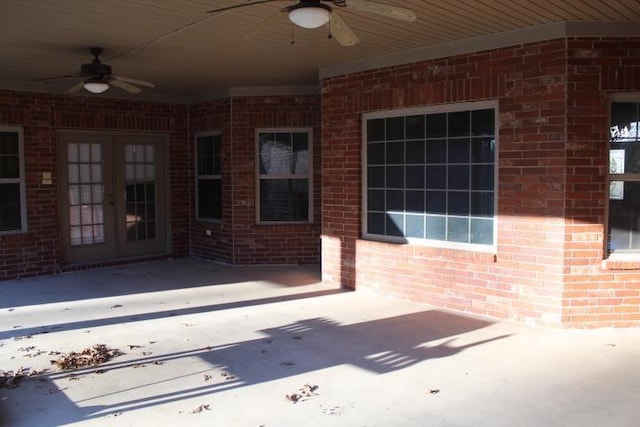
96	173
75	235
140	190
85	173
74	215
96	194
87	234
85	194
85	156
72	153
85	191
150	154
128	153
138	153
96	153
74	173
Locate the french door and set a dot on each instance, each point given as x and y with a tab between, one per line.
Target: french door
113	201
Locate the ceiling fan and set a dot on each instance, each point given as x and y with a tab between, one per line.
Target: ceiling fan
97	77
316	13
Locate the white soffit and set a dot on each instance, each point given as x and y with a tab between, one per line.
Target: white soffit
494	41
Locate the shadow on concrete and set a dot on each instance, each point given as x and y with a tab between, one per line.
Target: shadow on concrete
306	346
157	276
20	333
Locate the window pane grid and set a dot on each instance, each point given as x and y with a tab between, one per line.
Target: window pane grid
85	192
140	192
431	176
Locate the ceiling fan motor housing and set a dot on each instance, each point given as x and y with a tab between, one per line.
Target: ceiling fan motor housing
95	68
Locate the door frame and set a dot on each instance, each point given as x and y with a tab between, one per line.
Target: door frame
112	248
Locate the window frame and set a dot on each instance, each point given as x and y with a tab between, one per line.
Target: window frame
627	97
432	109
308	176
198	177
21	180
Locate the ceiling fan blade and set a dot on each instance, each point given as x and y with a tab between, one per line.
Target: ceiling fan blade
386	10
341	31
76	87
133	81
265	24
57	77
125	86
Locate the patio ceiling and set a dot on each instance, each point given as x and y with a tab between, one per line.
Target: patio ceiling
191	55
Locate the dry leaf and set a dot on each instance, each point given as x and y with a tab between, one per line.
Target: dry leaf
95	355
306	391
200	409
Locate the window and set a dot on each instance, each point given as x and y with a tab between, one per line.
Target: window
430	175
624	178
284	175
13	217
208	176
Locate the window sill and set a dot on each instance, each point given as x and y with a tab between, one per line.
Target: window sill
628	261
210	220
425	250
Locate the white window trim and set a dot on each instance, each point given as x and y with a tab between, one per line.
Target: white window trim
308	176
199	177
20	180
440	108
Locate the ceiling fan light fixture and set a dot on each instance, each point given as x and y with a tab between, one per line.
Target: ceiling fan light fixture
310	14
95	86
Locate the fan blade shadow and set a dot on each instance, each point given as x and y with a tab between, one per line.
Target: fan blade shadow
65	76
265	24
76	87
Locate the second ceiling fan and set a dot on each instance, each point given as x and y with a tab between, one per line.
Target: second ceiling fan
316	13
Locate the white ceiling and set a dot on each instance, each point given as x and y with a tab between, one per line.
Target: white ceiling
191	55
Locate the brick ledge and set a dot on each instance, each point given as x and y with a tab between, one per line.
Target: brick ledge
622	263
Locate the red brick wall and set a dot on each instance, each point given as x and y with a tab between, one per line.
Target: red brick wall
37	251
550	192
596	293
271	244
237	238
207	117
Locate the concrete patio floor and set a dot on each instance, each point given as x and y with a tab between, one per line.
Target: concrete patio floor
206	344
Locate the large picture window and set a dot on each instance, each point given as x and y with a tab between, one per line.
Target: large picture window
624	177
208	176
430	175
284	166
12	196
